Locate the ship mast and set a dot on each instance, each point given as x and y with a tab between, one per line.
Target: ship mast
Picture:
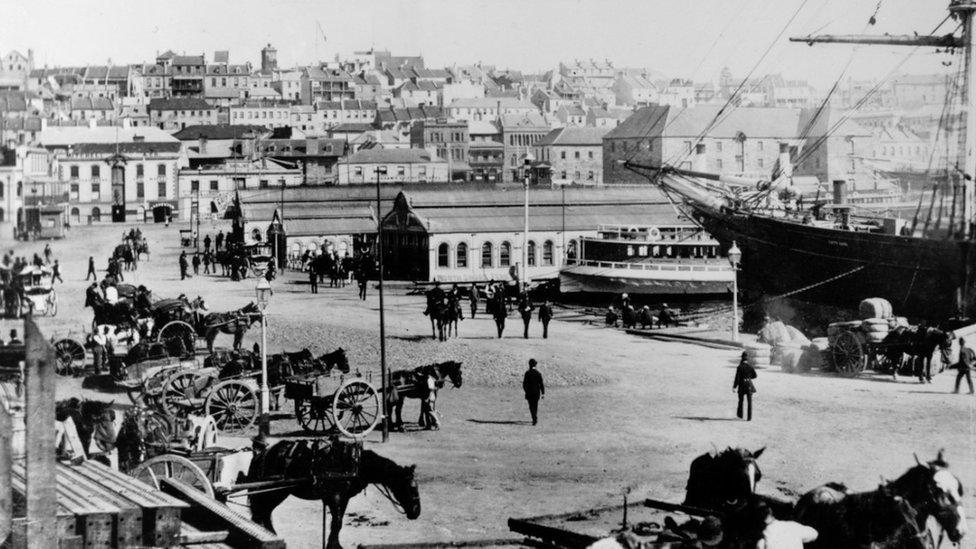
964	11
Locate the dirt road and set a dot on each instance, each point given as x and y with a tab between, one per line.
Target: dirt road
619	411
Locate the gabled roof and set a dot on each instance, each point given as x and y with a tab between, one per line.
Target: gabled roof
391	156
591	137
179	104
529	120
571	110
218	131
420	85
754	122
188	60
233	70
114	72
421	73
91	104
168	54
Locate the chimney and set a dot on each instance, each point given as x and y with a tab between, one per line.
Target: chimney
700	163
840	192
785	165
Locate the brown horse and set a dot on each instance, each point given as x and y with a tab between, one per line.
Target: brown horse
235	323
324	469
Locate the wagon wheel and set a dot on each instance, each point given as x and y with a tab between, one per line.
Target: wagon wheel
182	393
849	354
174	467
181	330
233	404
313	418
71	356
356	408
151	389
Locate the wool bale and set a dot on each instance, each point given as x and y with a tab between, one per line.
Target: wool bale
789	357
821	343
875	307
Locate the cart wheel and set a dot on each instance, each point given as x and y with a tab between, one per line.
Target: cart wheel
175	467
233	405
313	417
182	393
356	408
71	356
849	356
151	391
178	329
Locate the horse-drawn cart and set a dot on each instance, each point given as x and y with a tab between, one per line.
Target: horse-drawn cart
345	402
30	290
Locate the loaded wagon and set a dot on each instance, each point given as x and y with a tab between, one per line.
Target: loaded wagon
856	345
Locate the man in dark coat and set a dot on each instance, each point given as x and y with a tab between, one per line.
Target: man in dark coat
206	243
545	315
498	312
313	279
219	242
184	265
525	309
435	296
967	359
362	278
534	389
93	297
474	294
196	263
744	374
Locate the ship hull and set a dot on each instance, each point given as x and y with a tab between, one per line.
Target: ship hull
922	278
601	280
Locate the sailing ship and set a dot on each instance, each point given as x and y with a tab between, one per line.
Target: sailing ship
648	260
827	256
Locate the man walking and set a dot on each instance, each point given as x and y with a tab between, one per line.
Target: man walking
219	241
363	280
744	374
545	315
534	389
184	265
498	312
525	309
474	294
206	243
313	279
91	270
56	272
196	263
967	359
207	260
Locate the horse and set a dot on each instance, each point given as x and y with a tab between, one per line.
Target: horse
96	424
333	360
452	315
438	311
235	323
846	519
307	463
628	316
918	344
121	313
644	318
413	384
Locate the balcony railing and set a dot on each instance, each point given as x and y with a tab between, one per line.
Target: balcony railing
657	265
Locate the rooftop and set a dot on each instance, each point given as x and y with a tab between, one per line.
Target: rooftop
179	104
218	131
391	156
574	137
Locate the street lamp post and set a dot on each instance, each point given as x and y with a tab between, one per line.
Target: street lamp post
263	291
381	170
528	159
735	256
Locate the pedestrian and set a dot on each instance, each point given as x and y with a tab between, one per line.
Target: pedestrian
14	340
534	389
545	315
782	534
98	342
525	309
474	295
429	420
363	281
91	269
196	263
219	241
47	254
498	312
184	265
967	359
207	260
313	280
743	384
206	243
56	272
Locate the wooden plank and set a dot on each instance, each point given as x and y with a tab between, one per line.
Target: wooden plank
556	536
160	512
6	491
242	531
126	527
190	535
39	418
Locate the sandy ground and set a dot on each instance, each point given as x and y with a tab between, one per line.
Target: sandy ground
620	411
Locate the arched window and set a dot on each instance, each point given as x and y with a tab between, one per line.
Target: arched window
461	261
505	254
532	261
443	255
96	214
547	253
486	259
75	216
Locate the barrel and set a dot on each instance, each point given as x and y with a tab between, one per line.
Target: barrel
875	307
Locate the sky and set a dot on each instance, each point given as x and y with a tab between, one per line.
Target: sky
679	38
